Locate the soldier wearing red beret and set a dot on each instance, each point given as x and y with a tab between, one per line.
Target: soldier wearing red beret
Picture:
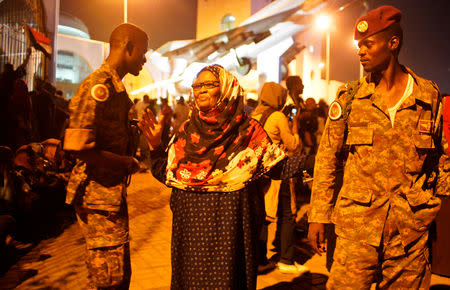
390	123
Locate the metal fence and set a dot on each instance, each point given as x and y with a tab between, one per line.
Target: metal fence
13	40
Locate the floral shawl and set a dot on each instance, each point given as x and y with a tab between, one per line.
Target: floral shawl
220	150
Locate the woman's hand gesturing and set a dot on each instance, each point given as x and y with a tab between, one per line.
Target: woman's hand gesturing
151	128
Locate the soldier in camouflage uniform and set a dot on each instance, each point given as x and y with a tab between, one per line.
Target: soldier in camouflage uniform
99	135
390	124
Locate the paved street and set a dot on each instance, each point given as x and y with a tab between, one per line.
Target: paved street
58	262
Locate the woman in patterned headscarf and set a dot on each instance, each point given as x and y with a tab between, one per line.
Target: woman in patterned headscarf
212	165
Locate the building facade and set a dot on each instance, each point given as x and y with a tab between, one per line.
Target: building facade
279	55
215	16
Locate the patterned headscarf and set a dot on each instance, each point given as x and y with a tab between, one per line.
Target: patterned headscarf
220	150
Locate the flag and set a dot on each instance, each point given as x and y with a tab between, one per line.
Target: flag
39	41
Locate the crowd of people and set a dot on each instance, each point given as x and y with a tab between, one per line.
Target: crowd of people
29	116
377	156
34	168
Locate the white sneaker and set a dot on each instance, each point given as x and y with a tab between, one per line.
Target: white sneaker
292	269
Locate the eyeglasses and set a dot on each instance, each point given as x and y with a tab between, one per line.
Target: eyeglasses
207	85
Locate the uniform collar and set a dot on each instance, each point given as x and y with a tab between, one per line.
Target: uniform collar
420	91
367	88
117	82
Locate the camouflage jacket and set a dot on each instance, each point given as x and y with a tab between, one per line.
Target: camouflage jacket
98	119
384	168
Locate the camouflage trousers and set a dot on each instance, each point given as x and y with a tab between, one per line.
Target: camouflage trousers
109	267
357	265
107	243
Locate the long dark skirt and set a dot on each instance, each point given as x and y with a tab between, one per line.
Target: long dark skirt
213	240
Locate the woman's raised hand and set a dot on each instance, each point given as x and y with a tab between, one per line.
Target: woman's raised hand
151	128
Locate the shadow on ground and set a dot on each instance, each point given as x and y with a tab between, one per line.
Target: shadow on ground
306	281
30	231
440	287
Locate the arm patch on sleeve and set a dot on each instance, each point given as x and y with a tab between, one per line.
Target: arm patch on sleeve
100	92
335	111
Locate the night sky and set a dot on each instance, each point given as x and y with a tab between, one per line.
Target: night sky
163	20
426	48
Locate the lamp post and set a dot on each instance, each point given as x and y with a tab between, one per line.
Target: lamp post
327	63
125	11
323	22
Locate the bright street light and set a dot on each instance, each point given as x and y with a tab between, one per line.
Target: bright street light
125	11
323	22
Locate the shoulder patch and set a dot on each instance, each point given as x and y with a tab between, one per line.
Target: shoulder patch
100	92
335	111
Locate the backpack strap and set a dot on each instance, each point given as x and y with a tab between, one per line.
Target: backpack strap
431	163
265	115
352	88
437	109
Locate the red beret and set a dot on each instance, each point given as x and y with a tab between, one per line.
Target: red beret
376	20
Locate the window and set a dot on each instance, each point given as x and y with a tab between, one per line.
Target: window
227	22
71	70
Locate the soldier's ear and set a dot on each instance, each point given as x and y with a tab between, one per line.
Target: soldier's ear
129	47
394	42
